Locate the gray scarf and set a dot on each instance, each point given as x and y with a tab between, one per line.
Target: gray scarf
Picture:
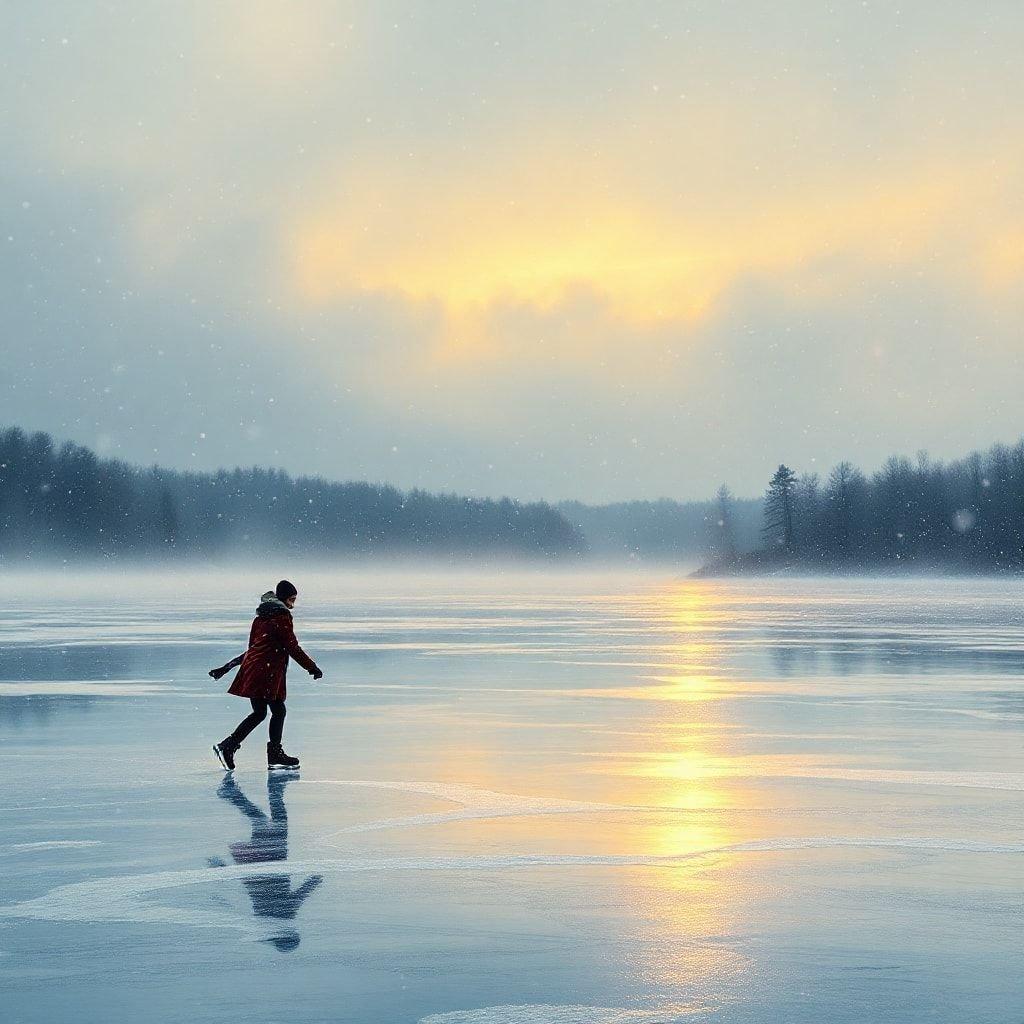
270	604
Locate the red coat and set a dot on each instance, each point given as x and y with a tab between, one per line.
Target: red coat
263	669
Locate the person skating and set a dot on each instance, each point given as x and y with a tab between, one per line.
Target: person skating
261	676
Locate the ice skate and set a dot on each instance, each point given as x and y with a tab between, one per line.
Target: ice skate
277	758
225	751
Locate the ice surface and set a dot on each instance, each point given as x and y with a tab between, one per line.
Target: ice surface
546	1014
524	800
121	897
50	844
80	688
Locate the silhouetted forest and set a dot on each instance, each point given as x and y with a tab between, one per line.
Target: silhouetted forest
65	502
966	515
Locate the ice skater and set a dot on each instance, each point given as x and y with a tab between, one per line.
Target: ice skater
261	677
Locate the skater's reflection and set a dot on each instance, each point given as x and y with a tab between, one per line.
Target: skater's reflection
272	895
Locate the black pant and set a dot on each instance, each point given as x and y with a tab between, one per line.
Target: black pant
259	712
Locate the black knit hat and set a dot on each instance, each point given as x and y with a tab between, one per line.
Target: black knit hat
284	590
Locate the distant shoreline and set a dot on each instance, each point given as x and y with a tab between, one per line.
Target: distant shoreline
757	564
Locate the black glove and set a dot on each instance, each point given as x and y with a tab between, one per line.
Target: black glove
216	673
317	674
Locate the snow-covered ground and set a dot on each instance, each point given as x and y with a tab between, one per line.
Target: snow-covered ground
525	799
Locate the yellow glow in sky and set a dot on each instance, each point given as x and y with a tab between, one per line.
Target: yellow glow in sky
474	246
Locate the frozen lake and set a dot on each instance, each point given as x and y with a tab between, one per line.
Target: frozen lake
524	800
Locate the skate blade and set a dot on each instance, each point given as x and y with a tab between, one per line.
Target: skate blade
221	759
282	767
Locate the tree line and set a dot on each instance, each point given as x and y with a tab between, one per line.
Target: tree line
64	501
966	515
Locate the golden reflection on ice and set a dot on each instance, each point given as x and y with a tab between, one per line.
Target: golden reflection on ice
661	737
686	757
691	606
691	686
691	754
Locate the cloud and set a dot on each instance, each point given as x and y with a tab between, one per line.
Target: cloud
489	235
569	250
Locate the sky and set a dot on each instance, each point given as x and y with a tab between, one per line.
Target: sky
551	250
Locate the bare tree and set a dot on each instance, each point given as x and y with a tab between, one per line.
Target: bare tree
842	483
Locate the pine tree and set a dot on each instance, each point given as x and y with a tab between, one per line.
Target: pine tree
778	508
